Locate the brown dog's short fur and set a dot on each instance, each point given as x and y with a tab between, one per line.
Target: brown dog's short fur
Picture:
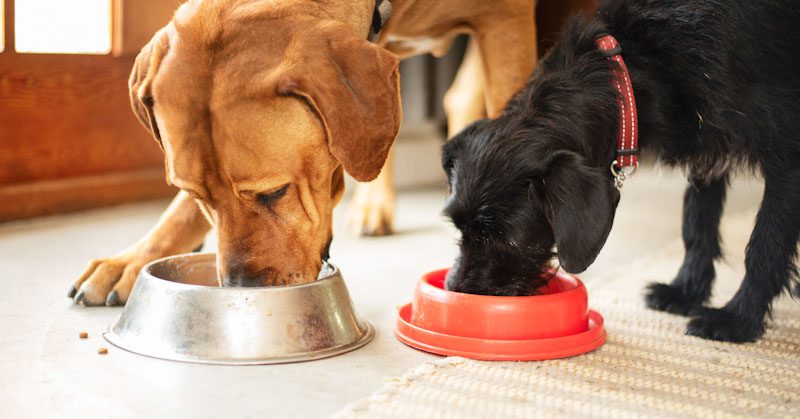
260	106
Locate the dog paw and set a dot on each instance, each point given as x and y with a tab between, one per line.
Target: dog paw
371	210
724	325
107	281
664	297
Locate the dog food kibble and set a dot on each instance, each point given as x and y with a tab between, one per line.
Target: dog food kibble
102	351
83	335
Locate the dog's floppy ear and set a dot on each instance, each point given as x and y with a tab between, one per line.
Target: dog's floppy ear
354	87
140	82
581	202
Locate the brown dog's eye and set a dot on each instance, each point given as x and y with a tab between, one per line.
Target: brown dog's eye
272	197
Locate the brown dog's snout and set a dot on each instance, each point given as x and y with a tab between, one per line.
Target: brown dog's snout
239	274
236	271
266	256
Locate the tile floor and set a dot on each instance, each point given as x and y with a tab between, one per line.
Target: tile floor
48	372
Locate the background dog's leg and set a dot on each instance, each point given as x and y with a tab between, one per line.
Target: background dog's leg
508	49
109	281
371	209
702	210
770	261
465	100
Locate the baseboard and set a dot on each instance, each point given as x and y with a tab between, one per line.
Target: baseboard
35	199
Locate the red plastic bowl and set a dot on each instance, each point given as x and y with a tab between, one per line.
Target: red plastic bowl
553	324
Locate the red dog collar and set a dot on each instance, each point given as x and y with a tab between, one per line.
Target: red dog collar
628	139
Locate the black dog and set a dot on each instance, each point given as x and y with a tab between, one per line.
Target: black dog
717	84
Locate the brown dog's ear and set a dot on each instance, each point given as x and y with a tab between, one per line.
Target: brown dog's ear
580	207
354	87
141	81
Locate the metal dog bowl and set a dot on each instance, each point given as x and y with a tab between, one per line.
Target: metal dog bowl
177	311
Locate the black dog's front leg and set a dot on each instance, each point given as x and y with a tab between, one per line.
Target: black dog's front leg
770	262
702	210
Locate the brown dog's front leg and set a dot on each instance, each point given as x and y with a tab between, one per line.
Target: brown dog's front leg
109	281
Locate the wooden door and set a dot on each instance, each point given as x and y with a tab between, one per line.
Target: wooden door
68	138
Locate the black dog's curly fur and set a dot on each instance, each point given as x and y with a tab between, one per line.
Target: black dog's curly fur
717	84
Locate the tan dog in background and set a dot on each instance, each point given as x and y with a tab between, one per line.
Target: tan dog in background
259	106
501	55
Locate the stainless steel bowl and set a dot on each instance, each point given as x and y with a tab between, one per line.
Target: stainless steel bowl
176	311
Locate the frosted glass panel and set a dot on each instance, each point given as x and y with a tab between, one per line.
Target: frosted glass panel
63	26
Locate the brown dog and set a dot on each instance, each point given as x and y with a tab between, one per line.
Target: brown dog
260	105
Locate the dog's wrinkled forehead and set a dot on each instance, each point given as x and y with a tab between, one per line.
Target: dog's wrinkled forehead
204	72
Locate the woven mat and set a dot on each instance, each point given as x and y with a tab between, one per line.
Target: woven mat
648	367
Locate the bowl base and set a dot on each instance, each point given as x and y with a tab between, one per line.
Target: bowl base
122	343
500	350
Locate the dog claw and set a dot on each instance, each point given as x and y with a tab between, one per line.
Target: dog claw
113	299
72	291
79	297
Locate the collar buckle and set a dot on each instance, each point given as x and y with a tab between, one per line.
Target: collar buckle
620	173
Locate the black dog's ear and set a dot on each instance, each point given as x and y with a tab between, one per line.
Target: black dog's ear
581	202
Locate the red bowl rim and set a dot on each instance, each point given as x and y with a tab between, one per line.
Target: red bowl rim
440	293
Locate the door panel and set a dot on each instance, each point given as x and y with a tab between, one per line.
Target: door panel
68	117
68	138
